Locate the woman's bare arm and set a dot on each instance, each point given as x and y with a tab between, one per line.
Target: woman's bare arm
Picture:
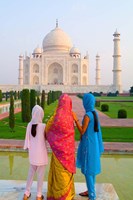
82	128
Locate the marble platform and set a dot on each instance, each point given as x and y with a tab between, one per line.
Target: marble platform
14	190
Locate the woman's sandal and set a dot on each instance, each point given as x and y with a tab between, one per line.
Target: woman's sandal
26	197
84	194
40	198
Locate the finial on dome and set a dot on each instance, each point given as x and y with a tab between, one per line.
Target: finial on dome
97	55
56	23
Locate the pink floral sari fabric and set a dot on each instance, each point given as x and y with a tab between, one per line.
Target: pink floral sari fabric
60	133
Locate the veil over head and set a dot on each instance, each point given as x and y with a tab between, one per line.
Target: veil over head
89	102
60	133
37	114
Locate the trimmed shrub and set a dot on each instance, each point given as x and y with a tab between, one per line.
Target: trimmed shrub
15	95
7	96
18	94
49	98
0	95
131	91
43	100
11	113
25	97
97	104
104	107
38	101
32	99
122	113
80	96
96	94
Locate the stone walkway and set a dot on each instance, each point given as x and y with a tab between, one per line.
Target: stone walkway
14	190
109	147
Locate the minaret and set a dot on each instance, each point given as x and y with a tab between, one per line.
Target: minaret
20	78
56	23
98	71
116	63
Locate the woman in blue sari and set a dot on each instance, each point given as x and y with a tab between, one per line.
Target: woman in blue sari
91	146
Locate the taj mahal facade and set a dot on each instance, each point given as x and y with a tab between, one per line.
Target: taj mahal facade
58	65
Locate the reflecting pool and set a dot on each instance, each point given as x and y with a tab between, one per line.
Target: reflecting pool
116	169
5	108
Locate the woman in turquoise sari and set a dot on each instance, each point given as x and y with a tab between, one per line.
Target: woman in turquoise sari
90	146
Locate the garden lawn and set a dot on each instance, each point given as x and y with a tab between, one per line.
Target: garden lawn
20	127
115	106
110	134
117	98
113	134
117	134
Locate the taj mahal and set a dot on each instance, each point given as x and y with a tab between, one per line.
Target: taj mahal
58	65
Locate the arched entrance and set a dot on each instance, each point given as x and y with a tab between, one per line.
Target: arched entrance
74	80
55	74
35	80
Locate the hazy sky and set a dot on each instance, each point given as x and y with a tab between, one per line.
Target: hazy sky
89	23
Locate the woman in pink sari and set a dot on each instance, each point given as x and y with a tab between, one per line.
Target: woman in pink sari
60	135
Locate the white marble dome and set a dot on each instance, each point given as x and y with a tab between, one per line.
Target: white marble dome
74	50
37	50
57	40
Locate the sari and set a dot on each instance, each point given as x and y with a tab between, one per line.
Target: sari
60	135
91	145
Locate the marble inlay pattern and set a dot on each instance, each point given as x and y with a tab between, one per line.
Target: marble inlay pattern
14	190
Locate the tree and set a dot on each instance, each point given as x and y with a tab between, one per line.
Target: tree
48	98
131	91
11	113
0	95
18	94
7	95
32	99
25	99
15	95
38	101
43	100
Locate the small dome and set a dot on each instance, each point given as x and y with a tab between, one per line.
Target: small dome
85	57
37	50
74	50
57	39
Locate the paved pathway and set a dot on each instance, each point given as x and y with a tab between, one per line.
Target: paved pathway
110	147
104	119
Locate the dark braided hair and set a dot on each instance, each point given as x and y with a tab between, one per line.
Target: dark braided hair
95	121
33	130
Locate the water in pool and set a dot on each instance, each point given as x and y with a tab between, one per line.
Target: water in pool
116	169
